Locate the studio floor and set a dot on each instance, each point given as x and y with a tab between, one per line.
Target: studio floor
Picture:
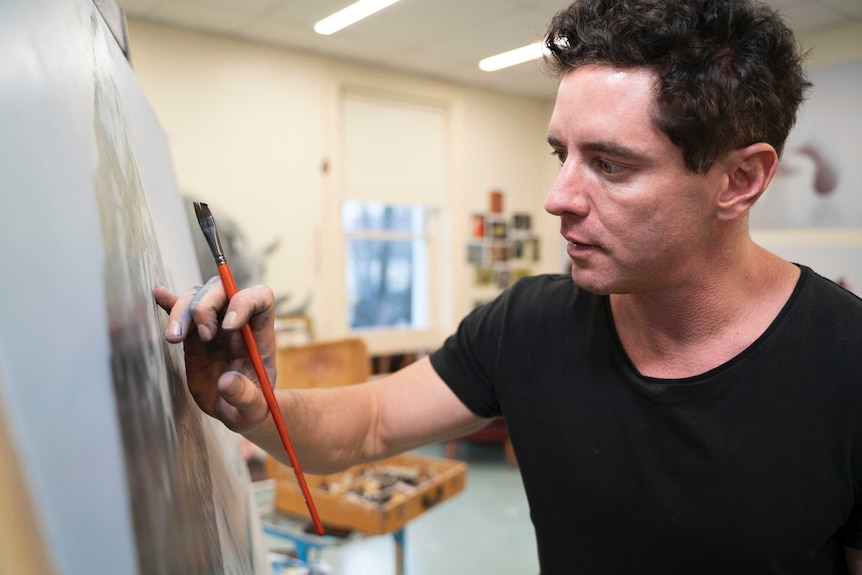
484	529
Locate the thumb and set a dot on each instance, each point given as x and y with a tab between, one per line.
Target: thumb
242	406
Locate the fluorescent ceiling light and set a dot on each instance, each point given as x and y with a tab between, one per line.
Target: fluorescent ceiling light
512	57
350	15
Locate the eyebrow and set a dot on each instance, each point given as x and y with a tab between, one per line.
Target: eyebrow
554	142
610	148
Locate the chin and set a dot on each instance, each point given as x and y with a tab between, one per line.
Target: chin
592	282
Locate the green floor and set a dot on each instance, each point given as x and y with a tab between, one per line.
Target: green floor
485	529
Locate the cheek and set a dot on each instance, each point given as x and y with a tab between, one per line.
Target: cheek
639	232
629	216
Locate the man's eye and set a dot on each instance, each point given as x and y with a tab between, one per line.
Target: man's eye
609	167
561	156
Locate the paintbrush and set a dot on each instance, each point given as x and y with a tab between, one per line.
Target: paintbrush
208	227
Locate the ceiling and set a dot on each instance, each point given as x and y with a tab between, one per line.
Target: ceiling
442	39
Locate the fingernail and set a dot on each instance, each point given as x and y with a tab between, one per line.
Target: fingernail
204	332
176	329
234	387
230	320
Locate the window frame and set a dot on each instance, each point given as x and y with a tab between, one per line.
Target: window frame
421	241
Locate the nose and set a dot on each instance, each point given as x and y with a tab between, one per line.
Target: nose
569	192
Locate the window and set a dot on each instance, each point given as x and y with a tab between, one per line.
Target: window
393	184
386	266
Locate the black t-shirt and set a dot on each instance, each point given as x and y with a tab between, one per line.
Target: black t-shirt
752	467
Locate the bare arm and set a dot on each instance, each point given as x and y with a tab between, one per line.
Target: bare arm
854	561
330	428
338	427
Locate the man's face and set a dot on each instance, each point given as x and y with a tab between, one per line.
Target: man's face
635	218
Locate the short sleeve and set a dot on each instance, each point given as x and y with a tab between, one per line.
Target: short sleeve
468	359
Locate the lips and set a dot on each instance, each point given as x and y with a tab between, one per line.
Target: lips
571	232
578	245
577	249
578	242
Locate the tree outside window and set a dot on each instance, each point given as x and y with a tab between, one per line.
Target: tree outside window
386	265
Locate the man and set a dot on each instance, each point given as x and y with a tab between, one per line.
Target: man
686	402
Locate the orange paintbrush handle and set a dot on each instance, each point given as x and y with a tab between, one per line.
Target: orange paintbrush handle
265	385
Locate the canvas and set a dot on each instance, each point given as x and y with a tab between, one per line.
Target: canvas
124	473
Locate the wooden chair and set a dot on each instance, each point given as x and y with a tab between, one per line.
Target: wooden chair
323	364
333	364
317	365
312	365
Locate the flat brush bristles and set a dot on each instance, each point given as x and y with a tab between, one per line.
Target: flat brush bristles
202	211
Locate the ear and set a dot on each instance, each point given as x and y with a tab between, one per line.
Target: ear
749	171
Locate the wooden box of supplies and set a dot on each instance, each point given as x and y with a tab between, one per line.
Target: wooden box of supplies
372	498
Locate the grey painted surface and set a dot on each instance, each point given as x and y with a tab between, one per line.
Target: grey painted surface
127	476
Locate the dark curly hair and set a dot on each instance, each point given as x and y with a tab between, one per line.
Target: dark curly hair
729	71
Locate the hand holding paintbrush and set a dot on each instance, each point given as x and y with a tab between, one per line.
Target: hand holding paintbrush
209	338
207	224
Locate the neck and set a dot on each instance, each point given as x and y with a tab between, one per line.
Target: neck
705	319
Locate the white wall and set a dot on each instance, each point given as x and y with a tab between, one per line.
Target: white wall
244	123
833	47
251	128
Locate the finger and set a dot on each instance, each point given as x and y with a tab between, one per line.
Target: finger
179	320
164	298
243	407
254	306
205	306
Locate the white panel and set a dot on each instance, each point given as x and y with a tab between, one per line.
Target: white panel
813	17
835	254
227	19
849	7
394	151
137	7
819	177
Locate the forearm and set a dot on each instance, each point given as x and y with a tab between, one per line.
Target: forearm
332	429
329	428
